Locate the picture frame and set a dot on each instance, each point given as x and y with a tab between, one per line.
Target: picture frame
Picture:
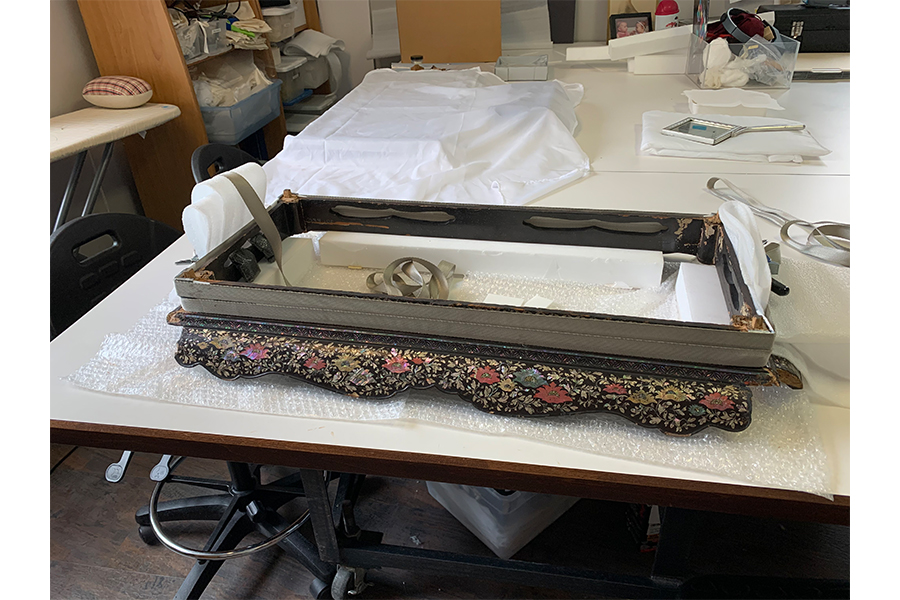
628	24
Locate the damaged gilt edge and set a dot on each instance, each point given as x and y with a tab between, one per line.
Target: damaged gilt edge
289	197
200	275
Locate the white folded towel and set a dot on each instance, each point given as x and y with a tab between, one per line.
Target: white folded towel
217	211
312	43
771	146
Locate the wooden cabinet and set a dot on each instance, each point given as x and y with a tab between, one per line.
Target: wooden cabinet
136	38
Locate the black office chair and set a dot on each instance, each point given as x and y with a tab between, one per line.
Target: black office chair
244	503
93	255
218	157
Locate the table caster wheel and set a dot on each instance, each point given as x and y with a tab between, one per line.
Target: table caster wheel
320	590
342	583
147	535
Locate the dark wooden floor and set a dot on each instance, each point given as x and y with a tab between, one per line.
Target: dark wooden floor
96	553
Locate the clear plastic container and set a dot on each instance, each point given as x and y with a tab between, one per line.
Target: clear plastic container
231	124
773	65
281	20
191	40
506	521
216	40
290	73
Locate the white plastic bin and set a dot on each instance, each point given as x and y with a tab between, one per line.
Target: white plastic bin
281	20
291	75
505	523
313	73
231	124
314	105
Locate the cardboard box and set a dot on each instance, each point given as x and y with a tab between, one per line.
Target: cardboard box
449	31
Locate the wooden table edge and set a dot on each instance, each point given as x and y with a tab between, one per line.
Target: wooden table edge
682	493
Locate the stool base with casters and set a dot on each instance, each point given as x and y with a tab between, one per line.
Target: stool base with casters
244	505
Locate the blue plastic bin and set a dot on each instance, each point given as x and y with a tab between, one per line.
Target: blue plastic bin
231	124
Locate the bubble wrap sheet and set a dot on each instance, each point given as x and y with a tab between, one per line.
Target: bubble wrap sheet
782	448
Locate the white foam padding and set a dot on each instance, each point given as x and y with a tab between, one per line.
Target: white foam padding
582	264
662	63
699	295
587	53
504	300
298	256
652	42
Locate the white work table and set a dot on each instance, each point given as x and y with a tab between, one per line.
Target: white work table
614	101
428	451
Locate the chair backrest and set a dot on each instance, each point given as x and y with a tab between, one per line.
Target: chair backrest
218	156
93	255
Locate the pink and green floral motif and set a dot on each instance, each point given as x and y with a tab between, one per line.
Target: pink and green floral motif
615	388
530	378
315	363
486	375
717	401
255	352
396	364
552	394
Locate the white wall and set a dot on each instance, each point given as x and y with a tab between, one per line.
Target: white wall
348	20
71	66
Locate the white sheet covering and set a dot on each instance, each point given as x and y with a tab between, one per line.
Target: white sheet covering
772	146
442	136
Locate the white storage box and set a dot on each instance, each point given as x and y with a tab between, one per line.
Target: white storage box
522	68
505	523
281	20
313	73
299	14
291	75
314	105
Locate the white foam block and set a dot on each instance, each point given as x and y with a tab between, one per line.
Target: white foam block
662	63
587	53
504	300
606	266
652	42
699	295
297	256
538	302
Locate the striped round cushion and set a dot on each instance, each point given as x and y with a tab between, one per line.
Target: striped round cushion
119	85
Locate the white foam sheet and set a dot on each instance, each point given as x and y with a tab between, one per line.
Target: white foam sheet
782	448
631	268
439	136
